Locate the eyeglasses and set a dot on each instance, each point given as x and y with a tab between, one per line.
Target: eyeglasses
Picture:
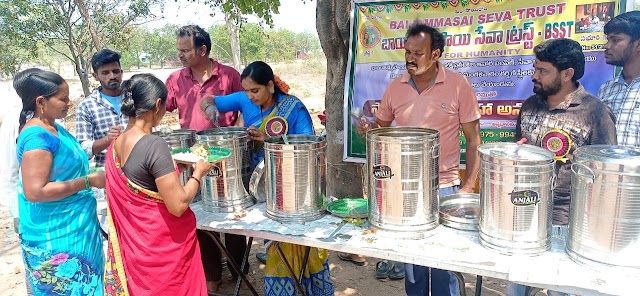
114	71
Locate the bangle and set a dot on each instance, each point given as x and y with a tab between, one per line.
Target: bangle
195	179
86	182
209	104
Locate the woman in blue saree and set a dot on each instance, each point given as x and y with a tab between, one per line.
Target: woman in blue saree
269	111
59	233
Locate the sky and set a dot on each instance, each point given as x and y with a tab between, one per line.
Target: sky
294	15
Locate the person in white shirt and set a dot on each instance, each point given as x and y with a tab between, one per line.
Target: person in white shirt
9	125
9	167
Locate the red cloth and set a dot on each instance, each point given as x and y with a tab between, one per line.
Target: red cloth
185	94
156	252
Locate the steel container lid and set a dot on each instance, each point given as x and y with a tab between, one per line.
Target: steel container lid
222	133
174	136
512	153
294	143
460	211
294	139
184	131
404	134
608	154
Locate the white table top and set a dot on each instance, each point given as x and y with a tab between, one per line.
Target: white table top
447	248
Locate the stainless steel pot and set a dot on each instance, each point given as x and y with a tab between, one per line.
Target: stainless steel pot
295	176
224	189
604	220
257	187
403	181
181	138
516	197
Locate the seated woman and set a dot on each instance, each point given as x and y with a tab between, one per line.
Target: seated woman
59	233
269	112
152	231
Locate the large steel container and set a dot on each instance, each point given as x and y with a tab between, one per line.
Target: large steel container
295	177
604	221
181	138
403	181
225	189
516	197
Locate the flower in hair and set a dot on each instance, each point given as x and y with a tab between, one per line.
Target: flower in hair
283	86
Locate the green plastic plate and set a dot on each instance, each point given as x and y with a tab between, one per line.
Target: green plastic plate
349	208
180	150
218	153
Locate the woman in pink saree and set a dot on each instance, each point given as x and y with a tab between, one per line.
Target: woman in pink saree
153	248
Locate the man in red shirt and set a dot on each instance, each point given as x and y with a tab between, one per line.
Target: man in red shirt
203	76
200	76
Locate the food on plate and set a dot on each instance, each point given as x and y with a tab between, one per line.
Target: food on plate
201	150
187	157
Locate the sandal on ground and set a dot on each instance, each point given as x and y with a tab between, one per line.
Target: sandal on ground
262	257
397	271
383	268
347	257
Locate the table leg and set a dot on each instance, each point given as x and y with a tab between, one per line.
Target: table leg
307	250
478	285
245	261
532	291
232	262
290	269
460	279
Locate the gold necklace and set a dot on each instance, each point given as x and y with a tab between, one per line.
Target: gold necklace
143	130
52	126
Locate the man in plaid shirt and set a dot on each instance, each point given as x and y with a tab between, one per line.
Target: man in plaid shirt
622	93
98	117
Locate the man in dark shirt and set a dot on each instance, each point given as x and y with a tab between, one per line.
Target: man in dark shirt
562	116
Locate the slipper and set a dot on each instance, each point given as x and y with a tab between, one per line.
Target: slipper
397	272
347	257
383	268
262	257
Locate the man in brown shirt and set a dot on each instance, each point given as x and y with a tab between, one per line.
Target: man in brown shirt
561	116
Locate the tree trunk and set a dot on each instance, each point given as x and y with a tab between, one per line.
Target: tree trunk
332	24
82	6
234	39
84	75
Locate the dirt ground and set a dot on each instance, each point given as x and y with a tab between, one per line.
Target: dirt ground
307	82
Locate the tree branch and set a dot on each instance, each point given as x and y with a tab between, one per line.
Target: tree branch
61	53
